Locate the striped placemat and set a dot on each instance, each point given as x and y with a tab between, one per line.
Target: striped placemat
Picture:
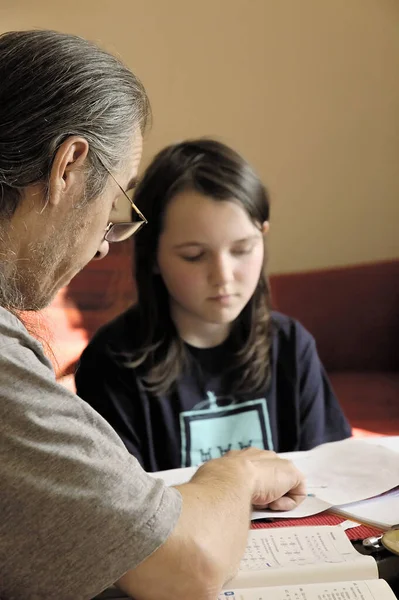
324	518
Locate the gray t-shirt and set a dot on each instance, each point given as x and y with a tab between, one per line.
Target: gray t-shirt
76	509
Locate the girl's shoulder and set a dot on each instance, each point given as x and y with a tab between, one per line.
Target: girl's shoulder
121	334
289	330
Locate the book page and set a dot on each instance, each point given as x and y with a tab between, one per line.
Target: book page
301	555
375	589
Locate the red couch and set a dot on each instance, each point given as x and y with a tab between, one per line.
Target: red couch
353	313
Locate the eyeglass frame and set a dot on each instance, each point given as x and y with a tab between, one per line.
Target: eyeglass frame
110	226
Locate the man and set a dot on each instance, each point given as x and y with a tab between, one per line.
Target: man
78	512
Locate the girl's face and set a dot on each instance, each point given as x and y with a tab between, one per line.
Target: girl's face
210	256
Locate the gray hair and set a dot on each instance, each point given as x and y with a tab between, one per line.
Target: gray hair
54	85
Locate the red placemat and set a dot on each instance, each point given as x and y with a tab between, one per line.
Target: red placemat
324	518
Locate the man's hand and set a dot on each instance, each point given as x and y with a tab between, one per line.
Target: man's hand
205	548
275	482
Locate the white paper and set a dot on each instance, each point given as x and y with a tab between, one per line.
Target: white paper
310	506
345	525
337	473
301	555
343	472
382	511
375	589
388	441
349	471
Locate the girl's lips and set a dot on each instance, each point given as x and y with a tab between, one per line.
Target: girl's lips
222	299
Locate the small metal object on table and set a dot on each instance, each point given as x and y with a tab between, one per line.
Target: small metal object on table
385	549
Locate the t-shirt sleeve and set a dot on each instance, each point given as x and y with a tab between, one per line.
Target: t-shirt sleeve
321	417
112	390
77	509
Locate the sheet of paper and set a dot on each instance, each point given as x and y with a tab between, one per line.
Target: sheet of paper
310	506
388	441
337	473
301	555
376	589
349	471
381	511
345	472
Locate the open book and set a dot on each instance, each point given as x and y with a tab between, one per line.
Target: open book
373	589
302	555
320	561
301	563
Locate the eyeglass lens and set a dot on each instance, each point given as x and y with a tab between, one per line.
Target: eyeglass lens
119	232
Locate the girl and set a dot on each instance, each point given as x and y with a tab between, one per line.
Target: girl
201	365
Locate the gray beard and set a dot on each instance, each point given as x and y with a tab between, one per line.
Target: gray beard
21	280
11	297
19	287
27	284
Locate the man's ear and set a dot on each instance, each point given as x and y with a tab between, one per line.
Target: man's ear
67	172
265	227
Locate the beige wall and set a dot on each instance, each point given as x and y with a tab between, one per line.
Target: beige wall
308	90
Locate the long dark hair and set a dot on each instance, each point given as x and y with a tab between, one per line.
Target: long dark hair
217	171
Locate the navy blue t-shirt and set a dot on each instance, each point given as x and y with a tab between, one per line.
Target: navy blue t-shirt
199	420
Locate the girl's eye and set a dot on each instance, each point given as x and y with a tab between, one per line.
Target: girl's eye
195	258
242	251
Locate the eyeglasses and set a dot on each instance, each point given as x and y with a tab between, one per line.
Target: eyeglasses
119	232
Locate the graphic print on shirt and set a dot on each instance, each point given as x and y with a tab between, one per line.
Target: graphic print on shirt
213	428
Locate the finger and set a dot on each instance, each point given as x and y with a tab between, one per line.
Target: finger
300	489
288	502
291	499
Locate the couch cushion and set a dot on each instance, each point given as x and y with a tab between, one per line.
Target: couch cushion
353	313
370	400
